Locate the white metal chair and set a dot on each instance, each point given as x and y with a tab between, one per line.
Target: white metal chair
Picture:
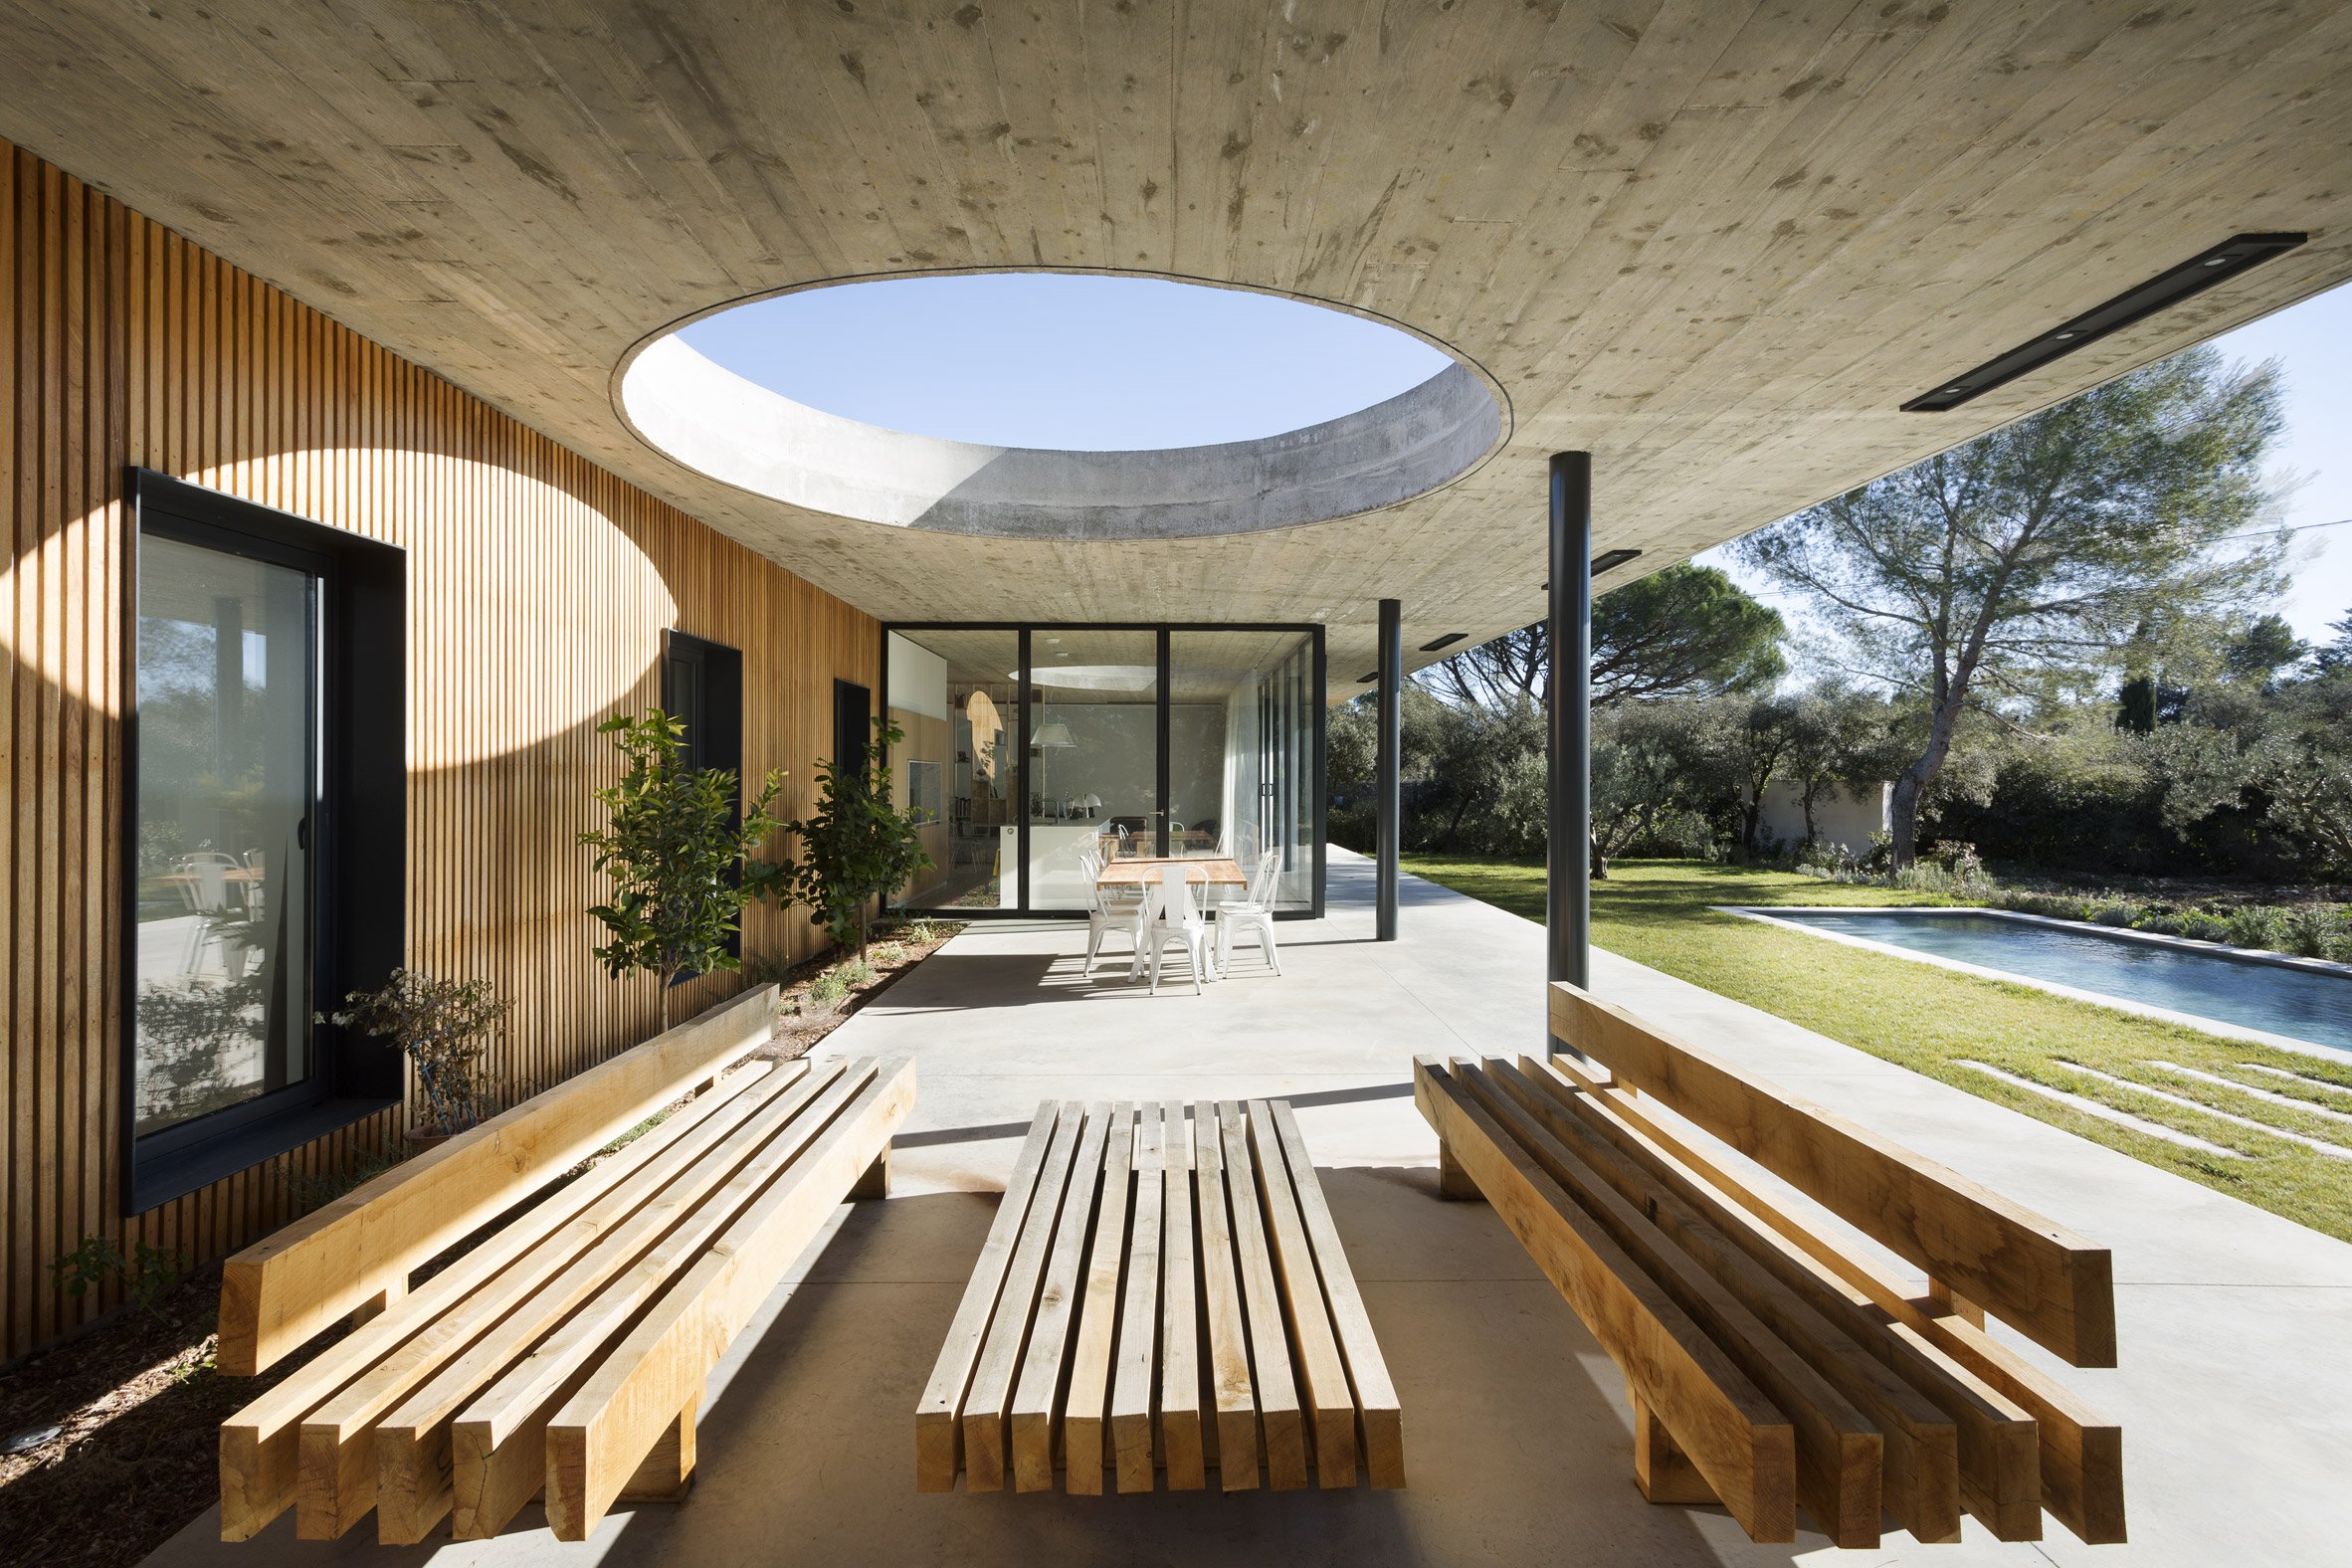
1171	915
1254	915
1108	909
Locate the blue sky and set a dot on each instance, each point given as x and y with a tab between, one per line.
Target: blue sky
1047	359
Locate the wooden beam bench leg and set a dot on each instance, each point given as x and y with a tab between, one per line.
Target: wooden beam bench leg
876	1182
668	1473
1454	1183
1941	1298
394	1292
1661	1468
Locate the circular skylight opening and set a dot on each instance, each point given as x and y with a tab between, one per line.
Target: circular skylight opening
1060	405
1071	361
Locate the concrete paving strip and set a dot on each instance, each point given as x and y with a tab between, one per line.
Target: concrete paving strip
2288	1100
2329	1084
2105	1112
2333	1150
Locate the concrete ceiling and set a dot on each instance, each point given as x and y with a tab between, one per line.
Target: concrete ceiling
1715	243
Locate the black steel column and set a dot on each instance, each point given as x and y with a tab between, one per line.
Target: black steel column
1392	791
1568	915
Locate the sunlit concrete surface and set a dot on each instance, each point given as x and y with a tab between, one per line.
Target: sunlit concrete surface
2233	1391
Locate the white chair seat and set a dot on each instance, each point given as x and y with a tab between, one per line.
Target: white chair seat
1171	917
1254	916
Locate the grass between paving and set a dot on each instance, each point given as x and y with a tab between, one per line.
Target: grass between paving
1657	912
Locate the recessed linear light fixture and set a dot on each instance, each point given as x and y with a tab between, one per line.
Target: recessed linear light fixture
1367	680
1607	561
1448	641
2193	276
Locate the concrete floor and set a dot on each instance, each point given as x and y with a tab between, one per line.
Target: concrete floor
2234	1389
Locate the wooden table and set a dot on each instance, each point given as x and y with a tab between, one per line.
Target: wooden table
1122	1334
1144	871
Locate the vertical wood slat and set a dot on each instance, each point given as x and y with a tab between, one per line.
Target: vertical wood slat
539	586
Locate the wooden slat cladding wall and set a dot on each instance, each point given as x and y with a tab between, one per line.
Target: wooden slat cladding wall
539	586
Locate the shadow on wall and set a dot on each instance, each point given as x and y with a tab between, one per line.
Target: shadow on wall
539	586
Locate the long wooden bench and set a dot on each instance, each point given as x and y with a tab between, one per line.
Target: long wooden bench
1766	1364
1161	1293
563	1355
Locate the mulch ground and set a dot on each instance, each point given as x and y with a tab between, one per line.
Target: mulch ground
135	1400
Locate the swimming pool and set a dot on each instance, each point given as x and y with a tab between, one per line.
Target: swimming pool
2310	1004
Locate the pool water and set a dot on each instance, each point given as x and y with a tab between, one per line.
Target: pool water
2299	1002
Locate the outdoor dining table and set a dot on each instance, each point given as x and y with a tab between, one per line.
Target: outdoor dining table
1144	869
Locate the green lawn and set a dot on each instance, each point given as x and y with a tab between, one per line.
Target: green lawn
1657	913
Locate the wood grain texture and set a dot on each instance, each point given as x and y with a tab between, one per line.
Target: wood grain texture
2081	1452
1735	1438
539	583
1191	1260
2049	1283
600	1439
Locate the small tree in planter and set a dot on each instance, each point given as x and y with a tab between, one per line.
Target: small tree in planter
858	847
446	1028
676	856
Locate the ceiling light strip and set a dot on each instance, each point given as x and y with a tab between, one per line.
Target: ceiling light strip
2193	276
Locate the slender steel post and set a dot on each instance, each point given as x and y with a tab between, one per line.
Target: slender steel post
1391	753
1568	913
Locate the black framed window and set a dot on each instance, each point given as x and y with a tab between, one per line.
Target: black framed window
1176	739
853	727
264	876
703	686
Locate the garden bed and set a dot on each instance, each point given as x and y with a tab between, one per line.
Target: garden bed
135	1399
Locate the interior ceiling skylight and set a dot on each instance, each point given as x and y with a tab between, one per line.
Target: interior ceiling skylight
1064	360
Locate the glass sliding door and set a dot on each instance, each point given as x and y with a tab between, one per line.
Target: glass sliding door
1242	725
955	697
1199	742
227	726
1094	755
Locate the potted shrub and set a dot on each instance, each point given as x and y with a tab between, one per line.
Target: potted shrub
445	1027
677	854
856	848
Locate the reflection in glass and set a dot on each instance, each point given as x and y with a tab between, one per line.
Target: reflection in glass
1242	717
226	728
1095	744
954	696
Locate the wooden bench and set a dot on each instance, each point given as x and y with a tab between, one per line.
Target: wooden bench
1159	1293
563	1355
1766	1364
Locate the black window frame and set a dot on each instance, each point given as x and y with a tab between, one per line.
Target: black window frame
1318	680
358	834
714	729
852	736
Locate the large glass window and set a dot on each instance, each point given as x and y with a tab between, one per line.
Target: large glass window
1140	741
1243	718
265	863
955	699
1094	747
228	728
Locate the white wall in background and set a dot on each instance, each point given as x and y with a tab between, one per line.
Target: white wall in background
1844	815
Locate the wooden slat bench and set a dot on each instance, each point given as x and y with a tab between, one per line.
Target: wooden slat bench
1768	1366
1160	1293
564	1355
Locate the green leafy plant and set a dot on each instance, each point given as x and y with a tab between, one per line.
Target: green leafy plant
446	1028
147	1275
856	847
677	856
831	988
